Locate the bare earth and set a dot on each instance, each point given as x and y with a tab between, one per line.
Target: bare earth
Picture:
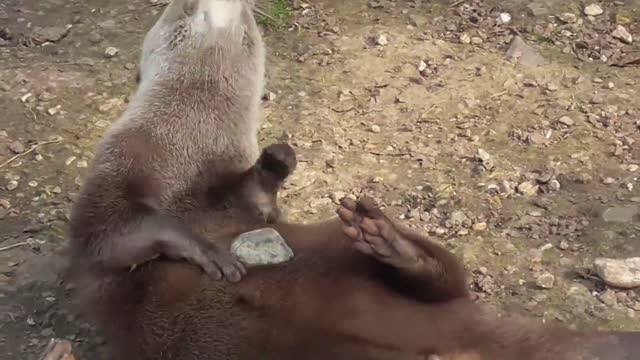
527	172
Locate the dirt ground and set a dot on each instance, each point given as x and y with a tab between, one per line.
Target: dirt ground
523	162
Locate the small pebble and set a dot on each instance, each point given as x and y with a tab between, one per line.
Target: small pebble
465	38
375	129
566	121
481	226
12	185
545	280
593	10
622	34
16	147
568	18
381	40
111	52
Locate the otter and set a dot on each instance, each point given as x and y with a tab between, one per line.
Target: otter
359	287
191	123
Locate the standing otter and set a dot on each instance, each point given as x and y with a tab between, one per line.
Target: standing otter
359	287
191	123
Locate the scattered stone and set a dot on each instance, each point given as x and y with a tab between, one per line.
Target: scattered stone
521	53
111	52
95	37
261	247
552	86
16	147
622	34
566	121
545	280
530	83
481	226
537	9
527	188
458	218
375	129
12	185
596	99
593	10
381	40
621	214
623	274
465	38
568	18
504	18
608	297
608	180
54	110
50	34
476	40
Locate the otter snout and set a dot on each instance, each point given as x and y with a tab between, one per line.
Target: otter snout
215	13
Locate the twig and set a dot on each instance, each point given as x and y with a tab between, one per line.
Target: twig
14	246
499	94
387	154
33	147
457	3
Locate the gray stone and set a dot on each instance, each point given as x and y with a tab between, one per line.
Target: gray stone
622	34
521	53
621	214
545	280
593	10
624	274
261	247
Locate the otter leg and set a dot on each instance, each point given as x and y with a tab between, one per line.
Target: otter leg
57	350
422	268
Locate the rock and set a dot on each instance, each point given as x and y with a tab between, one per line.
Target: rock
465	38
566	121
552	86
16	147
482	155
622	34
624	274
608	180
527	188
111	52
458	218
530	83
476	40
596	99
12	185
608	297
375	129
593	10
504	18
95	37
521	53
261	247
621	214
381	40
568	18
49	34
481	226
537	9
545	280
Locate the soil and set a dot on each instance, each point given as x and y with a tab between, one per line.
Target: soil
525	165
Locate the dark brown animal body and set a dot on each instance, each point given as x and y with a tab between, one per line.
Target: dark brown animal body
191	124
358	288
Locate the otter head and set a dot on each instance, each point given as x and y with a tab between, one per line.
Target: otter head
204	39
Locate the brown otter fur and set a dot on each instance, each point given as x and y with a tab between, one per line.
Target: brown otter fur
191	123
353	291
